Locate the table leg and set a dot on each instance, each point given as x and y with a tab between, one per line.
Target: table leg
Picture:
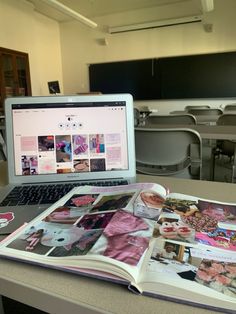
1	306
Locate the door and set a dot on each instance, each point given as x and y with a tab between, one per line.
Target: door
15	75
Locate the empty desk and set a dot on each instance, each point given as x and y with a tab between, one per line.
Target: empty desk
217	132
206	115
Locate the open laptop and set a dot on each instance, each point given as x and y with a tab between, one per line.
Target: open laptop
62	142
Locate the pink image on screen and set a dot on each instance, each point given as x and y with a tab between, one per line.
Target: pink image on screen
113	155
28	143
80	145
47	166
113	138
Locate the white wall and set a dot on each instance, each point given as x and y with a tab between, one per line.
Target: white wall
81	45
64	52
22	29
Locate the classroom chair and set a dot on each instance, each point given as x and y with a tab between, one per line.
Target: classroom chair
225	147
169	152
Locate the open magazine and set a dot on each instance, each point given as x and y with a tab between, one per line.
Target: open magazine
161	244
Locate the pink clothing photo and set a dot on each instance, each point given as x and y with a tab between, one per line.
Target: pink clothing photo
126	248
124	222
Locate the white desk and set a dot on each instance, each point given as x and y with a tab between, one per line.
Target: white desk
206	119
217	132
201	119
58	292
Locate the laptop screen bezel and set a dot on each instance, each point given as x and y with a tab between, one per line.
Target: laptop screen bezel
129	173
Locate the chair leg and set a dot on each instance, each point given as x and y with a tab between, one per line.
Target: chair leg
234	165
212	165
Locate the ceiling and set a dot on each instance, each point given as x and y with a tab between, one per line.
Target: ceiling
92	9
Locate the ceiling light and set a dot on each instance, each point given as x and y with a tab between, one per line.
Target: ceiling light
155	24
66	10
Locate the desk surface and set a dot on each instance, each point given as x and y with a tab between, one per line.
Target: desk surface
217	132
204	118
58	292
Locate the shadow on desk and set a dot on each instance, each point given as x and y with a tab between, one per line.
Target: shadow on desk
11	306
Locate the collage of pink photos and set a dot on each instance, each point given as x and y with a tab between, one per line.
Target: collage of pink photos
191	221
200	221
69	153
89	223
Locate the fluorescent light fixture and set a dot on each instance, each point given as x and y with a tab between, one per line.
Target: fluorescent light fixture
155	24
207	5
64	9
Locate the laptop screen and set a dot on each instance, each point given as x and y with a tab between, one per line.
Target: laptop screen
73	138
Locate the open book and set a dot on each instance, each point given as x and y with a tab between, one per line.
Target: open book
166	245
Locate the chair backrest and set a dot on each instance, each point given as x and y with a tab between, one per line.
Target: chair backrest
204	111
187	108
227	119
230	107
169	152
227	147
170	119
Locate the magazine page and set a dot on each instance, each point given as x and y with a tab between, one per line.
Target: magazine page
91	227
198	221
190	274
193	258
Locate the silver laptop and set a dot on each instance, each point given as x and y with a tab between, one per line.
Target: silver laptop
58	142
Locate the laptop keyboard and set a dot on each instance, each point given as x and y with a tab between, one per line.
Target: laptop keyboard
47	194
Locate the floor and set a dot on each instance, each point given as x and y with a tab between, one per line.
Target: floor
223	165
14	307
